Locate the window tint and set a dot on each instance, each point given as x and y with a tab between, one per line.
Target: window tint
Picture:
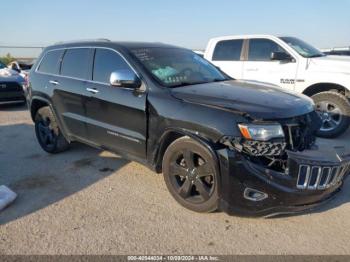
261	49
107	61
51	62
228	50
76	63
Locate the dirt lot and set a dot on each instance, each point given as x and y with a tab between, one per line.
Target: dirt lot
87	201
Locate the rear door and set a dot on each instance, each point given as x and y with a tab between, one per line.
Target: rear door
227	56
259	66
116	116
70	92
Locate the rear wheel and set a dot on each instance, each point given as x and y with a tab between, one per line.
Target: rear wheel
190	174
48	133
334	110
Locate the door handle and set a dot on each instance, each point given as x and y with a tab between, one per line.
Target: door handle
252	69
54	82
92	90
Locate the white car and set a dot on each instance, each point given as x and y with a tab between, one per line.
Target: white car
22	68
293	65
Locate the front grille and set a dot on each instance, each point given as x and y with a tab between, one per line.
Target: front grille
320	177
10	86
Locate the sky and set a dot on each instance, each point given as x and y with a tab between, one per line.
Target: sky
187	23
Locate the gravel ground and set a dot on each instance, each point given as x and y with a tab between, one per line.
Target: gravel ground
88	201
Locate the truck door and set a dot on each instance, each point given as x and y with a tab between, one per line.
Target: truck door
227	56
259	66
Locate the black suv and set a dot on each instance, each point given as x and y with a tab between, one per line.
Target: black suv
242	147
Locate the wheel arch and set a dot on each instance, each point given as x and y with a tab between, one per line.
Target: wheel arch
170	135
36	104
323	87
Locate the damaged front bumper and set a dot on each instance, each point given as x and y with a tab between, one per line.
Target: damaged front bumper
311	178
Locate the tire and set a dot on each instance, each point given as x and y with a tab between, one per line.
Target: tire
193	183
334	110
48	132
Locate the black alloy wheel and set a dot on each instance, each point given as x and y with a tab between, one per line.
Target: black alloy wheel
48	133
191	176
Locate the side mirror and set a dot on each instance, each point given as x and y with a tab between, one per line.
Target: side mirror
124	78
281	56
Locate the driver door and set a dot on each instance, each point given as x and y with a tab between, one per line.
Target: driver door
116	116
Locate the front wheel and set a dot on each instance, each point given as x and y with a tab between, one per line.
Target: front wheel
190	175
334	110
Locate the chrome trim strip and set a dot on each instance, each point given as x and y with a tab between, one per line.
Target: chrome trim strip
306	182
324	185
338	176
331	179
12	102
313	187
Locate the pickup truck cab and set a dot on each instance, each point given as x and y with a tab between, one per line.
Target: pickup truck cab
292	65
241	147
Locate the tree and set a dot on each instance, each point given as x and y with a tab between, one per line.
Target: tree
7	59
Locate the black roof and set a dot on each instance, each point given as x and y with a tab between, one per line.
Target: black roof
108	43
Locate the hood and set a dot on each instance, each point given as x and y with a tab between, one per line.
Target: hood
331	63
9	75
259	101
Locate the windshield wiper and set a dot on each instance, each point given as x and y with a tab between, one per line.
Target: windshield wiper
187	84
220	79
317	55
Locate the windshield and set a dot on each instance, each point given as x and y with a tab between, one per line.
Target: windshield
304	49
2	65
174	67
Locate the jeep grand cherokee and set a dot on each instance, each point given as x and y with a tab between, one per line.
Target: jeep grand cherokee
242	147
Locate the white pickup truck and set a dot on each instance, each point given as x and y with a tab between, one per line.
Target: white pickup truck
290	64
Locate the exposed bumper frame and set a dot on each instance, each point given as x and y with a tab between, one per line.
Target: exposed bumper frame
238	173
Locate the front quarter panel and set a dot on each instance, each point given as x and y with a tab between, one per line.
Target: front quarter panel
168	113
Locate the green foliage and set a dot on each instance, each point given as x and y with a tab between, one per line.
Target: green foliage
7	59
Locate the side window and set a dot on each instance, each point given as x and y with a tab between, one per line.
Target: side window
261	49
77	63
107	61
51	62
228	50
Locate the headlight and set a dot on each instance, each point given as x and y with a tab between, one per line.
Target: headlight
261	132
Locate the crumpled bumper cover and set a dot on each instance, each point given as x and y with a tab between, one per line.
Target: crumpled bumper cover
283	193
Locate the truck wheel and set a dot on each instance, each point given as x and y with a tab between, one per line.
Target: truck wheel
48	133
334	110
190	175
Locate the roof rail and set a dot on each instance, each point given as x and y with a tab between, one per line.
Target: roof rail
83	40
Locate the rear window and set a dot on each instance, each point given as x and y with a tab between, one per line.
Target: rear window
51	62
77	63
228	50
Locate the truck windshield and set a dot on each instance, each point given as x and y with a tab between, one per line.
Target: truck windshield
174	67
304	49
